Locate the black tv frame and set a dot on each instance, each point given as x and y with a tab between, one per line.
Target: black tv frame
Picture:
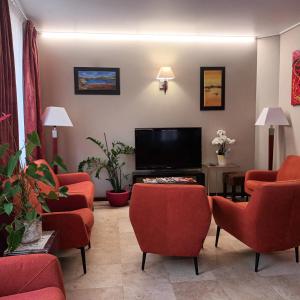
171	168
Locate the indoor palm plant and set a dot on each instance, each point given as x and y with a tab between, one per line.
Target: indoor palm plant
18	181
113	165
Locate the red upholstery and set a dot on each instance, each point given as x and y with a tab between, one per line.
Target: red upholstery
74	224
36	276
74	227
51	293
170	219
80	186
290	170
270	222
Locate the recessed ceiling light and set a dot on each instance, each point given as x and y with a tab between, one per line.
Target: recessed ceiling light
165	38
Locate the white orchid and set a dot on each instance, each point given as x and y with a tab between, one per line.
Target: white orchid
222	140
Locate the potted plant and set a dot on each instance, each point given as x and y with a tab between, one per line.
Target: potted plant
222	141
17	183
112	164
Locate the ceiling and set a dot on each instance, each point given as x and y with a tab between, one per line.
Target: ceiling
213	17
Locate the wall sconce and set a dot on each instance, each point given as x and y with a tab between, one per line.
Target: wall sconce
165	74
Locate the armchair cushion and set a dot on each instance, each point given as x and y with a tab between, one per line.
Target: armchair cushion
50	293
85	188
27	273
72	202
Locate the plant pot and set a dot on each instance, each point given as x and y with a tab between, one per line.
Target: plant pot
33	231
221	160
117	199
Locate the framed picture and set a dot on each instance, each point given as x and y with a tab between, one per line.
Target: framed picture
212	88
296	78
97	81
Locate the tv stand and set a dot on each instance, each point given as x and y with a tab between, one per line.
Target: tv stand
139	175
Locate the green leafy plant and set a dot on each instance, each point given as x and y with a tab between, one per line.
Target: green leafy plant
111	163
17	183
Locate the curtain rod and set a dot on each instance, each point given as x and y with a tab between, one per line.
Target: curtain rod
19	8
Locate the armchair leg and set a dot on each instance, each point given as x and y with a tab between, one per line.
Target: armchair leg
257	256
297	254
143	261
82	250
217	236
89	245
196	265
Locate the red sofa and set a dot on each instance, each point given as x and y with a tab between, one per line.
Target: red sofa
170	219
80	188
31	277
269	222
289	170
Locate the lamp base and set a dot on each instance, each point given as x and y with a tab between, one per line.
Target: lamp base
54	147
271	146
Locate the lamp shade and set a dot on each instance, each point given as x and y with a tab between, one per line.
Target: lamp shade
56	116
272	116
165	73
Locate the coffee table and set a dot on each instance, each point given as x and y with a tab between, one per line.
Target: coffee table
47	244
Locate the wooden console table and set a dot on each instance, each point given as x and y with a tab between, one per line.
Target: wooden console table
215	172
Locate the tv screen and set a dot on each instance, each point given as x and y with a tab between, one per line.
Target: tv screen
168	148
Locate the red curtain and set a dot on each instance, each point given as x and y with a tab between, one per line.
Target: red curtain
8	92
32	88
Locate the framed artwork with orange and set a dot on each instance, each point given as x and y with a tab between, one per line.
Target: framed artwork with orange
296	78
212	88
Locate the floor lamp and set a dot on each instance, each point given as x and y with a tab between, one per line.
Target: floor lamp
271	116
56	116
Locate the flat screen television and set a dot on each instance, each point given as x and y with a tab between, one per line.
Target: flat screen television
168	148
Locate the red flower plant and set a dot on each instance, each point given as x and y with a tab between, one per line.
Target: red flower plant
4	117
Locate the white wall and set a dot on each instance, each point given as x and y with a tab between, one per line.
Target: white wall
267	90
289	42
141	104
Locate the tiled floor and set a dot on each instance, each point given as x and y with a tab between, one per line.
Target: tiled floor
225	273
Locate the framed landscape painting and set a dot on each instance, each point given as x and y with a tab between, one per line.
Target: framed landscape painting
296	78
212	88
97	81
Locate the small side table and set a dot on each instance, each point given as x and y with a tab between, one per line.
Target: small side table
234	179
47	244
216	170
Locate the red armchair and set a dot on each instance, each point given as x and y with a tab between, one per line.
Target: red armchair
289	170
269	222
169	219
73	221
80	188
31	277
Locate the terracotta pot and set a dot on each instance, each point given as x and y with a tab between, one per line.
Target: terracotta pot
117	199
33	231
221	160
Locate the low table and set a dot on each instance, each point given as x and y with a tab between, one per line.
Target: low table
47	244
234	179
171	180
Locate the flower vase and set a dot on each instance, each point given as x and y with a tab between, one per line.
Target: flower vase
33	231
221	160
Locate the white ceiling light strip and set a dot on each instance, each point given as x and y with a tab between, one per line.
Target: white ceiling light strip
165	38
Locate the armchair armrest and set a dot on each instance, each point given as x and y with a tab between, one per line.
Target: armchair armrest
261	175
229	215
72	202
25	273
71	227
70	178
